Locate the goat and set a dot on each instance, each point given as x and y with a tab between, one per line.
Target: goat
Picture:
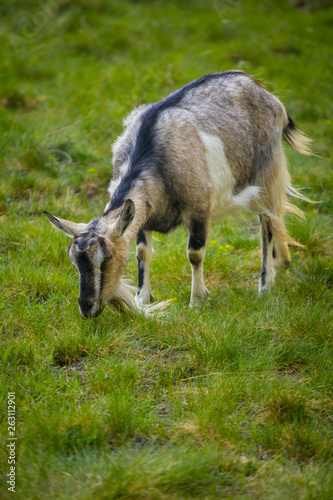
206	150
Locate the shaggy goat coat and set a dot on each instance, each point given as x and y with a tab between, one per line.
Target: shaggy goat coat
208	149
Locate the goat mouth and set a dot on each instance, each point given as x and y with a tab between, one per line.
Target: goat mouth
93	316
98	312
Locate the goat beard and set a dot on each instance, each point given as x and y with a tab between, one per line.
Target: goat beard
123	300
123	297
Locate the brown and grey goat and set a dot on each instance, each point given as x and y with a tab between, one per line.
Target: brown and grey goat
208	149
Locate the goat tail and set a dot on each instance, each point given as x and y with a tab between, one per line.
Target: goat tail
296	139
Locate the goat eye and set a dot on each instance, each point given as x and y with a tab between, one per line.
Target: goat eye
107	259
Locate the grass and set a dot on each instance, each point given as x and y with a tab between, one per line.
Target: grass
229	401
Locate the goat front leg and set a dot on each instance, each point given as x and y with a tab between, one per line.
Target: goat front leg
196	254
143	252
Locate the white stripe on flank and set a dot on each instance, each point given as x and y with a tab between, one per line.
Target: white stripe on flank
222	180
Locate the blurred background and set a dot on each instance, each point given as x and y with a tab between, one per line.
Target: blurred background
71	71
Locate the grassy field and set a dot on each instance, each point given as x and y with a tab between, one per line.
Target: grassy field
229	401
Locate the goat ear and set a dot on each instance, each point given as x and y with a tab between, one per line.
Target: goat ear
68	227
125	218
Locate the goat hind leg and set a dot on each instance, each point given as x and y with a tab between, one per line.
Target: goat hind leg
281	254
267	273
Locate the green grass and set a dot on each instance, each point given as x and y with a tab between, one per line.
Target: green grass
229	401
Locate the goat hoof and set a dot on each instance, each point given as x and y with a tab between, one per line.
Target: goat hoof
199	300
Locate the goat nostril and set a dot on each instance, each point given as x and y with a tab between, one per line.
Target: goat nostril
85	306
